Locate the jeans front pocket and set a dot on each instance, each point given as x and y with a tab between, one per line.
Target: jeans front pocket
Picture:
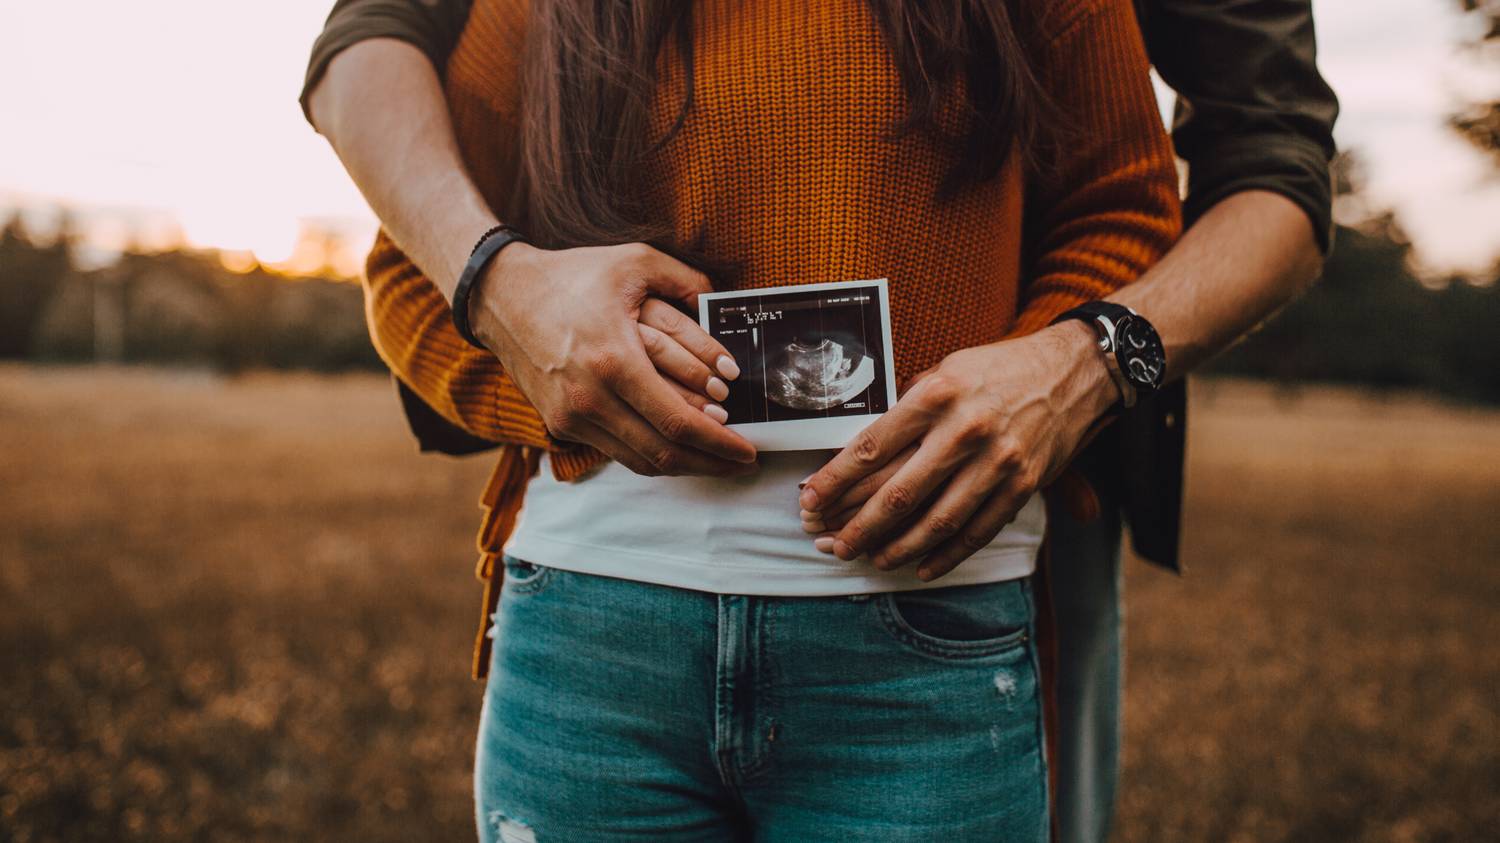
960	622
522	577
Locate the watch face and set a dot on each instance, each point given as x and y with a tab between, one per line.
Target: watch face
1140	352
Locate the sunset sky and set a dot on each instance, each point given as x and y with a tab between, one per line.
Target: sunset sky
160	120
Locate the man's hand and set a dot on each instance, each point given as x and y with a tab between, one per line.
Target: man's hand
572	327
961	452
579	333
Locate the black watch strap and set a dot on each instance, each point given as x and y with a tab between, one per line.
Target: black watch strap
1095	309
490	243
1106	318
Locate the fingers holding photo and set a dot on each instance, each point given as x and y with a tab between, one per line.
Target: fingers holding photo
712	409
690	336
636	381
627	436
684	352
872	450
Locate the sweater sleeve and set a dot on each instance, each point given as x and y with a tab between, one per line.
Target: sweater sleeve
1105	207
412	329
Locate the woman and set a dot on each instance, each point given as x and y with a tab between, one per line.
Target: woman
675	657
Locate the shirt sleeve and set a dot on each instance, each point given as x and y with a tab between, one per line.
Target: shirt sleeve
1253	112
1105	206
432	26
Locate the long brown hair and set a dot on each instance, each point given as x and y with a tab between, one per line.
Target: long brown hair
589	76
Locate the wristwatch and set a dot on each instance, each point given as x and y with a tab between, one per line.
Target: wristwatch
1132	349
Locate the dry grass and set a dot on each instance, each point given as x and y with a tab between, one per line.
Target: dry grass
1328	669
241	610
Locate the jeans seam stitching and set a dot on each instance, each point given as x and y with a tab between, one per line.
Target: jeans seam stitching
929	646
532	585
762	687
1039	716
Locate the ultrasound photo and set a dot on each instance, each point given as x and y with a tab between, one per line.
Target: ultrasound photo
809	354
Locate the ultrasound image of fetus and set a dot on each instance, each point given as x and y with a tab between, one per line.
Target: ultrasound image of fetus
816	377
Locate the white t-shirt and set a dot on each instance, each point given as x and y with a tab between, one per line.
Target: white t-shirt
727	536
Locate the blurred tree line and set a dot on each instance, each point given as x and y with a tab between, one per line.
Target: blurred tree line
177	307
1369	321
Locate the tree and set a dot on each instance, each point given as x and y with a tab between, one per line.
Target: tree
1370	321
29	275
1479	123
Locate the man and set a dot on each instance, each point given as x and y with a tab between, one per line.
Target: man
1254	124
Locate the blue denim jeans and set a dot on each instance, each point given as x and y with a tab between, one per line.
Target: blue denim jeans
1086	599
621	710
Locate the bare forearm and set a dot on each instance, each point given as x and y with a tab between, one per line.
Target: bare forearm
1237	265
382	108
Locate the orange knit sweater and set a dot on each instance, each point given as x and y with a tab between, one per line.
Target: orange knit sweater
788	167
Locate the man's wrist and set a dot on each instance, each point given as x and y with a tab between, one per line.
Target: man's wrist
1085	374
496	282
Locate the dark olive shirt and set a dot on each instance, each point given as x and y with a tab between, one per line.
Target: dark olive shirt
1252	110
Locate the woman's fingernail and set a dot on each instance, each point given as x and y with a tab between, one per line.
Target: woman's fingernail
823	544
802	484
727	367
717	389
809	499
717	413
814	527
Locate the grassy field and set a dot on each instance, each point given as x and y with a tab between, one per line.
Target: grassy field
241	610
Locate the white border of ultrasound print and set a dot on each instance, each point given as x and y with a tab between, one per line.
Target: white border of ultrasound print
809	434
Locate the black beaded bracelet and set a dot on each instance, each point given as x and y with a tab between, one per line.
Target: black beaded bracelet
490	243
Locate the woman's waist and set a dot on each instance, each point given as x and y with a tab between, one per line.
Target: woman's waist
739	535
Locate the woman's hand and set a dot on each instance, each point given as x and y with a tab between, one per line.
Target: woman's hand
579	333
683	351
961	452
